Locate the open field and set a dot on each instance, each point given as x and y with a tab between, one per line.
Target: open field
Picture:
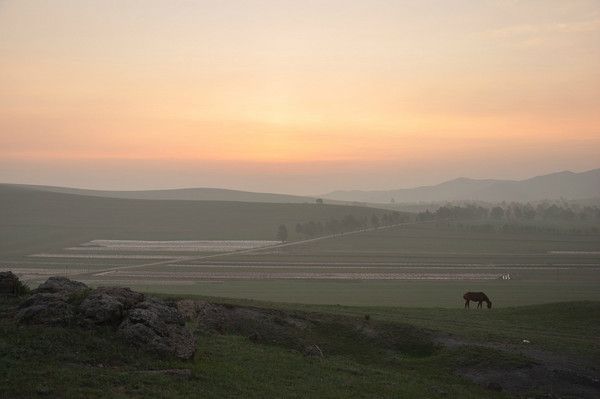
415	265
226	249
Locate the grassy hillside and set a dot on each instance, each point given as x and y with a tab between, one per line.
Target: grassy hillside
183	194
411	358
33	220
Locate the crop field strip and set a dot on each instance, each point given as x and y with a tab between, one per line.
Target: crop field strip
103	256
178	246
251	250
304	276
283	269
388	265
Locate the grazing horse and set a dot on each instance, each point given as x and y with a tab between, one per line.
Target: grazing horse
478	297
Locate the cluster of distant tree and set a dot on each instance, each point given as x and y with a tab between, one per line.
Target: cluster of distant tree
525	228
331	226
346	224
388	219
514	212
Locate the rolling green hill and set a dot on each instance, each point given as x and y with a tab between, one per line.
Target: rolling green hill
181	194
34	220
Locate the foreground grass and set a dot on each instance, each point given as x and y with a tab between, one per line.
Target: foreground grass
76	362
58	362
571	328
388	293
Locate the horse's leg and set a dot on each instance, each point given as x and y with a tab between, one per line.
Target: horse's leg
466	304
479	304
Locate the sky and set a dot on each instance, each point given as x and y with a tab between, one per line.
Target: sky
300	97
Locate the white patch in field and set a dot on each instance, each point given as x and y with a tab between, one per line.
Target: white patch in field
574	252
226	275
95	256
178	246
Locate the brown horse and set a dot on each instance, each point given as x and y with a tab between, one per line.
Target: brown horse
478	297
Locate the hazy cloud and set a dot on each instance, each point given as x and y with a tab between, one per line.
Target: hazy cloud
533	34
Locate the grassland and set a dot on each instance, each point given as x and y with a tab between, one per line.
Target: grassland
427	265
405	277
38	221
78	363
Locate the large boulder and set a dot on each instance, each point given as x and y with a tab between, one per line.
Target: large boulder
127	297
61	285
9	284
158	326
53	302
46	309
108	305
148	323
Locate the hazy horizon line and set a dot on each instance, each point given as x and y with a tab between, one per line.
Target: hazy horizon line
230	188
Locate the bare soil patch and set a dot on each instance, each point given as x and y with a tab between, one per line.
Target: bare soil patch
520	369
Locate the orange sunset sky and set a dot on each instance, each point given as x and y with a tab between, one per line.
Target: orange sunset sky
296	96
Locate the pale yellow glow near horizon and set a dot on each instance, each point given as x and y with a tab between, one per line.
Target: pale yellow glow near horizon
298	82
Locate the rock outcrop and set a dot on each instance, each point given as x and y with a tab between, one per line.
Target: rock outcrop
10	285
158	325
109	305
148	323
47	309
61	285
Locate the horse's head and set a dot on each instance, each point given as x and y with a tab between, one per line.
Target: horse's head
489	304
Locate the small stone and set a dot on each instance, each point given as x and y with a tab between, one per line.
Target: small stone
313	350
43	390
494	386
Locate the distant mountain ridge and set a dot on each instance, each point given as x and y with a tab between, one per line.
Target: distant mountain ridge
568	185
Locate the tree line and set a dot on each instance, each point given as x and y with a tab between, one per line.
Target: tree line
514	211
348	223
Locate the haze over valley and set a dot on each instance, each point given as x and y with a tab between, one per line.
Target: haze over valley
300	199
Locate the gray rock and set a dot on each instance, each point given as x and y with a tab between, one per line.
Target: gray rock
166	312
61	285
147	323
313	350
47	309
188	308
9	284
494	386
155	325
124	295
101	309
108	305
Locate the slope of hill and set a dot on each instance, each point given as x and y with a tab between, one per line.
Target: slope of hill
33	220
270	350
184	194
567	185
